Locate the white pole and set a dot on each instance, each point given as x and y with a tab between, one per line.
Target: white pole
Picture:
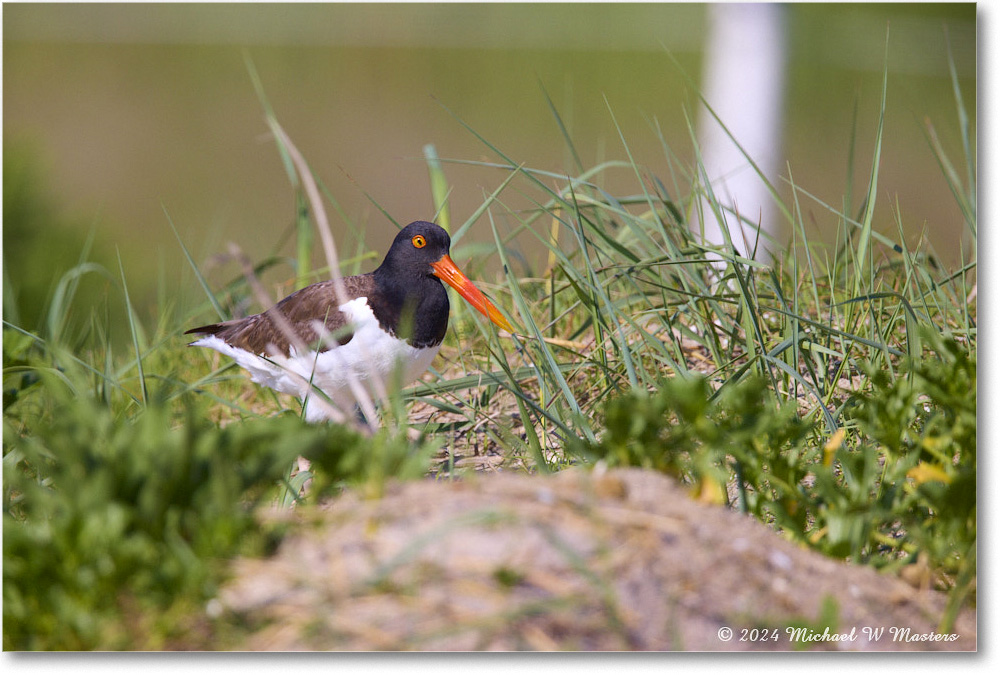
744	81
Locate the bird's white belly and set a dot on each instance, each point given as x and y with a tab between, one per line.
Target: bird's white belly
373	358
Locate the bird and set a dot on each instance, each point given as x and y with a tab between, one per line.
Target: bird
386	327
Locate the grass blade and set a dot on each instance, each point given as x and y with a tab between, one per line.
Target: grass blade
133	325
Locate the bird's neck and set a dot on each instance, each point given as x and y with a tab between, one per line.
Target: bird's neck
417	305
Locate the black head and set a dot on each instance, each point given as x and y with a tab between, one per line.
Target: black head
415	248
412	272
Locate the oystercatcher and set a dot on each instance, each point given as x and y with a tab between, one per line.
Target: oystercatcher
389	324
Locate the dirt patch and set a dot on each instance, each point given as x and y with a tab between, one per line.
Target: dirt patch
578	561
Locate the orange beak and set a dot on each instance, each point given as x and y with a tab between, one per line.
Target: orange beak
446	271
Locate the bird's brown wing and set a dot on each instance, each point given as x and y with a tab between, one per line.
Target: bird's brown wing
261	334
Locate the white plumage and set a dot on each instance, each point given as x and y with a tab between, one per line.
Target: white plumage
373	357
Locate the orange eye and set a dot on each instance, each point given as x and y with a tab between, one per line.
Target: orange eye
419	241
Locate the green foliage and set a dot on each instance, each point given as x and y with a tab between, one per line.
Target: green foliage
107	513
922	429
684	430
902	482
94	509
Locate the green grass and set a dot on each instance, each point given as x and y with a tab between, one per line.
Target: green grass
830	394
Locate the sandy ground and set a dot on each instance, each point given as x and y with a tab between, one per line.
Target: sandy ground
624	560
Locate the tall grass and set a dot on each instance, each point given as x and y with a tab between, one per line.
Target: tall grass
631	305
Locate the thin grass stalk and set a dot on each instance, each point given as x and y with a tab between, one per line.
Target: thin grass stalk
965	132
197	273
552	371
439	187
134	330
864	242
303	242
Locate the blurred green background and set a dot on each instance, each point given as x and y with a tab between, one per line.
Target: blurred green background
113	113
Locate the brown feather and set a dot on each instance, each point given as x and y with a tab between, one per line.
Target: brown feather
260	334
